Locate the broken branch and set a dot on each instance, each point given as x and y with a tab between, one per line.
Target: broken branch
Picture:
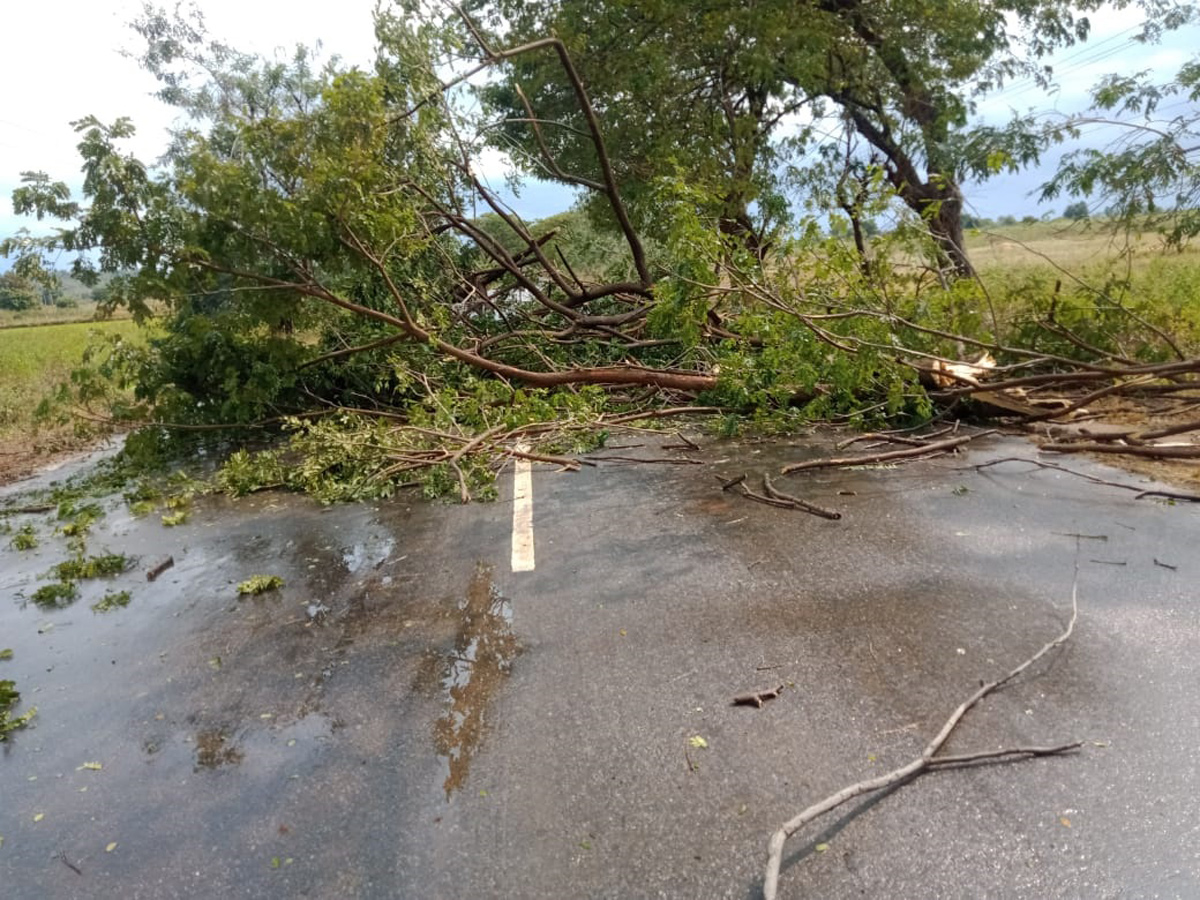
797	502
923	763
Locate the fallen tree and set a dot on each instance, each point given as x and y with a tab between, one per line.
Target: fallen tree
323	257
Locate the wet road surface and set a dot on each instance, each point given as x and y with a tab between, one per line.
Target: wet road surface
409	717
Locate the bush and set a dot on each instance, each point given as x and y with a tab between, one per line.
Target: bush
17	293
1076	211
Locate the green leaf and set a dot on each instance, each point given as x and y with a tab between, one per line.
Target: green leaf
259	584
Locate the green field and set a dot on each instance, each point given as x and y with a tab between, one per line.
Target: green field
34	360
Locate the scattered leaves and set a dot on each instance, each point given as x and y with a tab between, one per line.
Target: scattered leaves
698	742
110	601
90	766
24	539
821	848
9	697
57	595
91	567
110	847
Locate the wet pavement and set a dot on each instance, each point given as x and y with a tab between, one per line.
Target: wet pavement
408	717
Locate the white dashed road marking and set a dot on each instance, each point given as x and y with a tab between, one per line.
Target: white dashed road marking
522	527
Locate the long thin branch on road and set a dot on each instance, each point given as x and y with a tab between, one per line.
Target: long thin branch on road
1042	464
908	453
926	761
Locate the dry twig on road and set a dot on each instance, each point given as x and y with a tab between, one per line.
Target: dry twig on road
757	698
927	760
775	494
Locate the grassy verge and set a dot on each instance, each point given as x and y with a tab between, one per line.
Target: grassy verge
1108	291
33	361
84	311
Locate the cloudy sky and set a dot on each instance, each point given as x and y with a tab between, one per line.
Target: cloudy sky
62	60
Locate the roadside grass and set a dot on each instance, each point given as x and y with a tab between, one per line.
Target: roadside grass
83	311
33	361
1091	279
1061	242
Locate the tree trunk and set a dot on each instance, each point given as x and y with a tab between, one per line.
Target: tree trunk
945	224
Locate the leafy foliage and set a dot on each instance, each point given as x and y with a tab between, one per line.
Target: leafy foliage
709	94
1149	179
56	595
9	698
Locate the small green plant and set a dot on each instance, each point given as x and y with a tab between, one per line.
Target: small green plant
56	596
259	584
175	518
9	698
86	513
25	539
110	601
141	508
91	567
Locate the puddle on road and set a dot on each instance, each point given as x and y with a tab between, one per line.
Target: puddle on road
371	552
479	662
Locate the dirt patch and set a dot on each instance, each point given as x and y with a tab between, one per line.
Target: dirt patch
22	455
1145	415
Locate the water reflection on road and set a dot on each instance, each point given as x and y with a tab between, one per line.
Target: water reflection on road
479	662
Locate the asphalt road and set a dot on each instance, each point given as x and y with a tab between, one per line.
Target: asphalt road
409	717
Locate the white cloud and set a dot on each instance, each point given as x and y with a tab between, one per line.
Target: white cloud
62	61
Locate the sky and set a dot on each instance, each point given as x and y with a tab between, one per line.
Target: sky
62	60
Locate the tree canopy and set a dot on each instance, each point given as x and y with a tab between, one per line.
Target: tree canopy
728	93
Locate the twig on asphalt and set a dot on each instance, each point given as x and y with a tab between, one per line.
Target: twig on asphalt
61	856
757	698
1153	451
797	502
669	460
1173	495
927	760
158	568
732	482
684	443
907	453
25	510
916	440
